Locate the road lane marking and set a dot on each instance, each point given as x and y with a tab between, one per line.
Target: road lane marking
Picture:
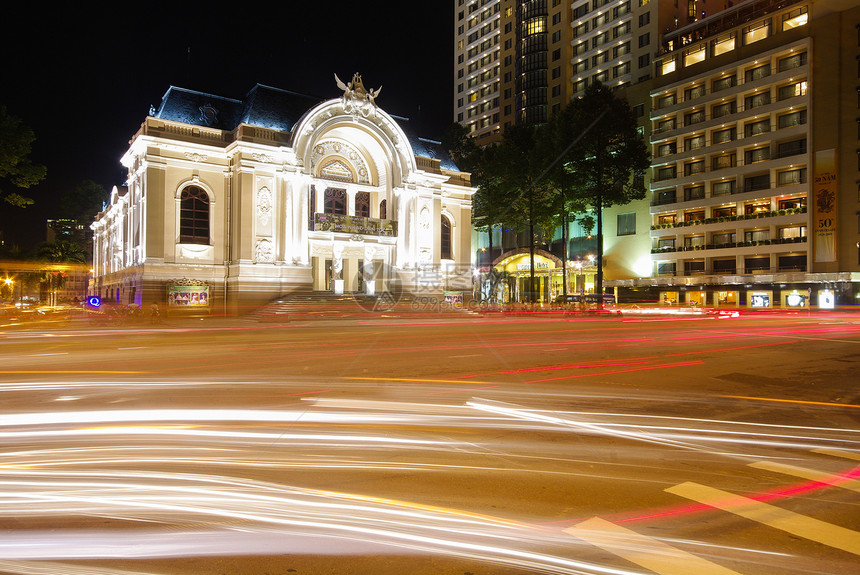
836	480
772	516
417	380
616	371
644	551
61	371
777	400
838	453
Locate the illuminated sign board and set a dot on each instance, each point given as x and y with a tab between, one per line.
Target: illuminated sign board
354	225
795	299
824	195
760	300
826	299
188	295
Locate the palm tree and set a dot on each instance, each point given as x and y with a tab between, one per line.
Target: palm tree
59	252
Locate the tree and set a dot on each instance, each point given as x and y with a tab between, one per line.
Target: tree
525	198
83	202
604	156
16	168
513	189
461	147
482	164
62	251
59	252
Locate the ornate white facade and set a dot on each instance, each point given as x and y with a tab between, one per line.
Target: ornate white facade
281	192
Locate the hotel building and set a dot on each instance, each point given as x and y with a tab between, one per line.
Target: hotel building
754	136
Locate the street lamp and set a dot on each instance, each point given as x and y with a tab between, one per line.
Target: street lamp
9	283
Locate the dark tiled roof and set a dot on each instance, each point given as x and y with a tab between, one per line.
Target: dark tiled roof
270	108
188	107
276	109
433	149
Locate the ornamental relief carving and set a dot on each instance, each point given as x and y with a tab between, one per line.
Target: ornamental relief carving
264	206
324	149
264	252
195	157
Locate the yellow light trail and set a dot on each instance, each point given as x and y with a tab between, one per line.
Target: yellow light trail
798	401
76	371
419	380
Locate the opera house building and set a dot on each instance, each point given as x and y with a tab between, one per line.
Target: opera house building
232	203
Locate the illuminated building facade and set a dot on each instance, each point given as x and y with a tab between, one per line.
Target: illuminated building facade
476	67
518	61
754	136
239	202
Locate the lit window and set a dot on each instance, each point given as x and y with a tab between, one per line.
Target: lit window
724	44
756	32
535	26
694	56
795	18
668	66
792	90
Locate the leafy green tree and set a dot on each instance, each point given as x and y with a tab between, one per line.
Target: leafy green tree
513	189
481	163
62	251
16	169
461	147
59	252
603	156
525	197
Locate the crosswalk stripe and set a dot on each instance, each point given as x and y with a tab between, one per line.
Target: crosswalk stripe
804	473
644	551
838	453
784	520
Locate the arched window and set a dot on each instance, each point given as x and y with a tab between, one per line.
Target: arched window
362	204
194	216
383	210
445	236
335	201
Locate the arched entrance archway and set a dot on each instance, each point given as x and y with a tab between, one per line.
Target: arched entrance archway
511	276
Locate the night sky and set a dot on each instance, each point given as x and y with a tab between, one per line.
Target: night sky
84	80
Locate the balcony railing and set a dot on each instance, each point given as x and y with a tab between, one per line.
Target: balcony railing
729	245
354	225
735	218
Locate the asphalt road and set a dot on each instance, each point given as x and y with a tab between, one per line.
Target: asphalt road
438	444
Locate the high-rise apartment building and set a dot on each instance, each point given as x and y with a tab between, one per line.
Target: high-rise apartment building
476	67
517	61
754	143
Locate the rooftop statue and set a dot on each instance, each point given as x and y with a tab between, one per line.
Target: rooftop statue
357	99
